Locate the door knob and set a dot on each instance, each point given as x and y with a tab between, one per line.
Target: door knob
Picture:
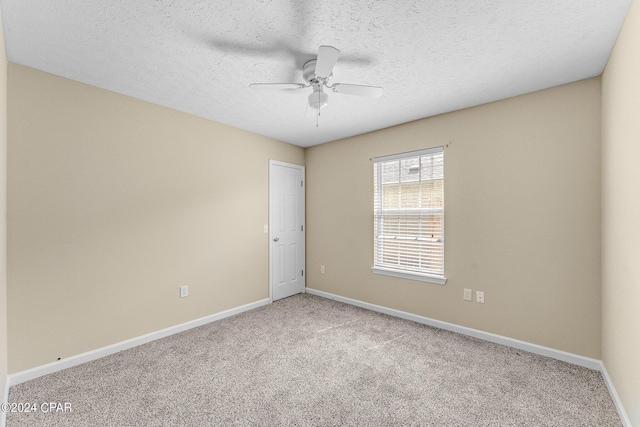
275	239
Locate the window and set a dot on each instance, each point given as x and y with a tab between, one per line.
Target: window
409	215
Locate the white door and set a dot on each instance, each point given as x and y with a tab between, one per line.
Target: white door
286	229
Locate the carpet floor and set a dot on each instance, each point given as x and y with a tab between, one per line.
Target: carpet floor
309	361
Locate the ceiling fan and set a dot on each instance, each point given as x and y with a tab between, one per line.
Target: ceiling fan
317	73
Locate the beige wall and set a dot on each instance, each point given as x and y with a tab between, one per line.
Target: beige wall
3	213
113	203
621	215
522	217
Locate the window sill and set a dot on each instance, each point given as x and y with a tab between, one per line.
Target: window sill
408	275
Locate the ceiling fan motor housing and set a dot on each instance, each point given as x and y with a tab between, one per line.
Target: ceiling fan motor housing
309	72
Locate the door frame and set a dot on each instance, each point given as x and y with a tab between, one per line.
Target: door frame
271	219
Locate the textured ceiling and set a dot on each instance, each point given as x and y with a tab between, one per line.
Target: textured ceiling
199	56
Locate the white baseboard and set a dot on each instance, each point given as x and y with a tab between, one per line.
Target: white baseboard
486	336
614	396
38	371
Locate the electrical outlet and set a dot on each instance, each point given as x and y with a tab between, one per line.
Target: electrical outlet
480	297
184	291
322	269
467	294
266	229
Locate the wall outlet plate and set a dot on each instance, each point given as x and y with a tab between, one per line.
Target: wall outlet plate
322	269
184	291
480	297
467	294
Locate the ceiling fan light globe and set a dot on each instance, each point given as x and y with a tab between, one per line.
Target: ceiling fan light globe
317	100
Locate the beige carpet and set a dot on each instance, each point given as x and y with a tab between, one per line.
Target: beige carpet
308	361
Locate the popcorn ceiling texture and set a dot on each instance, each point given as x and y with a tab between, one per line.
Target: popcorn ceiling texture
200	56
309	361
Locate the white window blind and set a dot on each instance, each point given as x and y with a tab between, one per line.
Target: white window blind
409	214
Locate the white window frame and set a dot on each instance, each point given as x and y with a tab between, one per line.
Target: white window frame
403	273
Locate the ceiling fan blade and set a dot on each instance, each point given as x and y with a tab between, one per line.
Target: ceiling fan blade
327	58
359	90
277	86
